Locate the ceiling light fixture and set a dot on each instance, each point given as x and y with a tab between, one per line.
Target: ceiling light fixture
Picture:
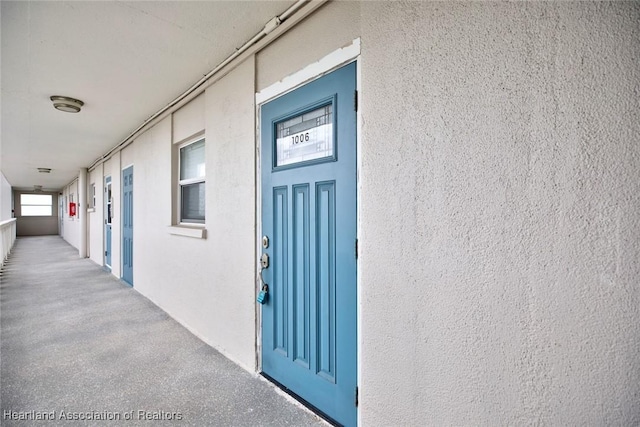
44	170
66	104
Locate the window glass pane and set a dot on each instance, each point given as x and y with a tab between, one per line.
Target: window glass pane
36	210
308	136
35	199
192	203
192	160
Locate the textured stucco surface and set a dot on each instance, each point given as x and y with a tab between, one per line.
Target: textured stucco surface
188	120
336	24
95	238
71	226
207	284
499	214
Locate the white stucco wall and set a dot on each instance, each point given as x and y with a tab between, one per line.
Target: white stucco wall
5	199
71	227
157	262
189	120
332	26
206	284
95	241
230	124
500	233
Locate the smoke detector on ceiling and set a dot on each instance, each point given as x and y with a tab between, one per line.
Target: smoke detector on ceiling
66	104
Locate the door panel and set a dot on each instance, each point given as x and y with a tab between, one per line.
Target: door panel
127	225
325	279
309	215
301	310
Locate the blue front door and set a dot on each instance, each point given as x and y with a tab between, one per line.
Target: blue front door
127	225
309	224
108	214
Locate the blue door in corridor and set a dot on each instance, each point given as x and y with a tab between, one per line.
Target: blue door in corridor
108	206
308	164
127	225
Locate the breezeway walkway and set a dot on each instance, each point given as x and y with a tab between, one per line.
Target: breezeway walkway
78	343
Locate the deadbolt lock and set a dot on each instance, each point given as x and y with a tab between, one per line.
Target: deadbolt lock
265	242
264	261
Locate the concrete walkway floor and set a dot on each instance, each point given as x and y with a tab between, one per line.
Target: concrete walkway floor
78	347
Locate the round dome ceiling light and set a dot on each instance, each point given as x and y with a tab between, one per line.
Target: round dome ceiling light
66	104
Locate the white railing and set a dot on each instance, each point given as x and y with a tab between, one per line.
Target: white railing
8	232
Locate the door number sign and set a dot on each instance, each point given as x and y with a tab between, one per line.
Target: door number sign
308	136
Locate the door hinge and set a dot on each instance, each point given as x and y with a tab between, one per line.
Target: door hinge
355	100
105	253
356	397
356	247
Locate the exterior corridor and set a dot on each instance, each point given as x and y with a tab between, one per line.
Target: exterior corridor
80	347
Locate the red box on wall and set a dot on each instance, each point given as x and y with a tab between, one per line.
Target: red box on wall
72	209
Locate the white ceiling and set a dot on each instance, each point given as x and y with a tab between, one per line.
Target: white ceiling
125	60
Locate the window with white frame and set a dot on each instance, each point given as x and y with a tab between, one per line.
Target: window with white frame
36	205
191	183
